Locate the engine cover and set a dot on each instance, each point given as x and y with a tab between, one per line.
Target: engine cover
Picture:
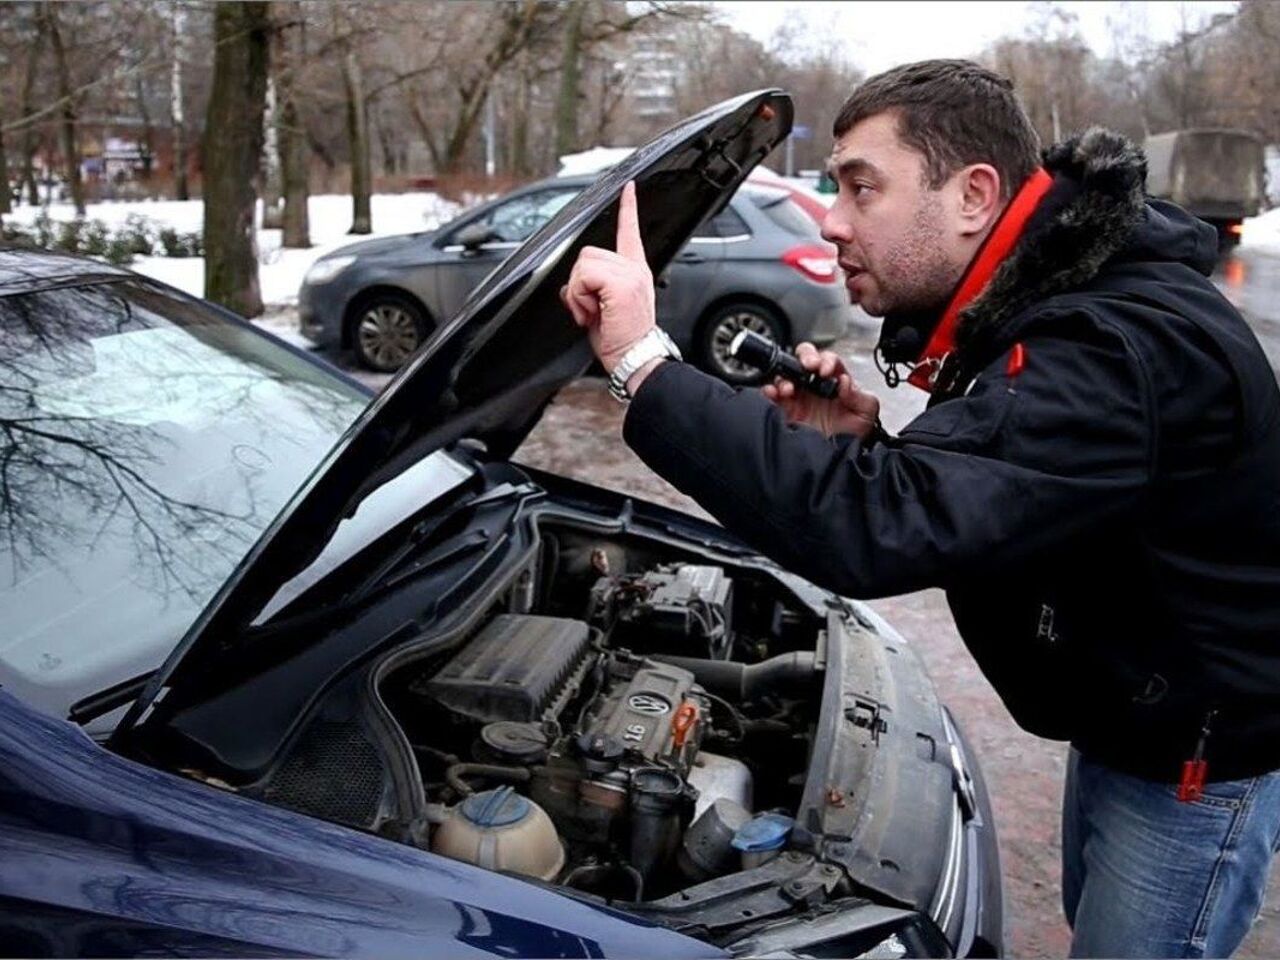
639	713
587	781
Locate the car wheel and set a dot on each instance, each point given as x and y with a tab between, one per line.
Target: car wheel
725	323
386	331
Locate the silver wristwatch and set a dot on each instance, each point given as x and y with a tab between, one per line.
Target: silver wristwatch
652	345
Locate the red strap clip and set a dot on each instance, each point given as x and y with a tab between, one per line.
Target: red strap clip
1191	786
1196	770
1017	360
683	722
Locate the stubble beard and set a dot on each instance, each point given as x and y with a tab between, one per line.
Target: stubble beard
918	276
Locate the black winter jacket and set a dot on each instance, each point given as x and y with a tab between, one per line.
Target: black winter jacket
1106	523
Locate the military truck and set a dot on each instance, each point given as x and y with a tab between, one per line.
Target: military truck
1215	173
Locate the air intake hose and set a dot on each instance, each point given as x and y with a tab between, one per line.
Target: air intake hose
785	673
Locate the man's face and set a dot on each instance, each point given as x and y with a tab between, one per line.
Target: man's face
900	243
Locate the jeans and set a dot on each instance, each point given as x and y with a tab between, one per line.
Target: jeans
1144	875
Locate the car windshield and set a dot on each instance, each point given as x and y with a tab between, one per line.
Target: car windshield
147	443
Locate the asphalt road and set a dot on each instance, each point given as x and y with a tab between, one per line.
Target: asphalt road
580	437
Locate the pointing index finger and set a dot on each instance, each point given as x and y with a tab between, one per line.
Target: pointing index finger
629	243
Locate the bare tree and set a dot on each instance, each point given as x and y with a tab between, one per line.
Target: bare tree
358	130
232	153
474	43
567	103
27	110
5	205
177	96
272	195
288	63
69	131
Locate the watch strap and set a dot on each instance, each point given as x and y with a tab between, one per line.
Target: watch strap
651	346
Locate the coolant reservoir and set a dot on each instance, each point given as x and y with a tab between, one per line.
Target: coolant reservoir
501	830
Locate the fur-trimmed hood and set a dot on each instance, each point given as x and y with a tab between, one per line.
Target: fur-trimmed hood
1095	212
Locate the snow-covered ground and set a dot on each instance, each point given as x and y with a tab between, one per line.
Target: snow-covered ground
280	271
1262	232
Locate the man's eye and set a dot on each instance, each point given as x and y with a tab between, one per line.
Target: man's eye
859	189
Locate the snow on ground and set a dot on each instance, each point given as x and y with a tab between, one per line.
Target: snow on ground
280	271
1262	232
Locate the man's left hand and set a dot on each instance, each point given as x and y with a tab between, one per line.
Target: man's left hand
611	292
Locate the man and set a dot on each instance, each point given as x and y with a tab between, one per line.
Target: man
1095	482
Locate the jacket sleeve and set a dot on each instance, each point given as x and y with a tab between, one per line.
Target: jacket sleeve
977	482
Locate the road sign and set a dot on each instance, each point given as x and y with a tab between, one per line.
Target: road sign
801	132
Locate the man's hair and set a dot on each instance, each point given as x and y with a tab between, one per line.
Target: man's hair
955	113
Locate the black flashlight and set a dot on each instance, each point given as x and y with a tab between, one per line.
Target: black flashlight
773	361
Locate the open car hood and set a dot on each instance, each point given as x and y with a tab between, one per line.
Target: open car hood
491	370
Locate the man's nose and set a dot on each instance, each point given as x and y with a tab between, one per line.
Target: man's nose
834	228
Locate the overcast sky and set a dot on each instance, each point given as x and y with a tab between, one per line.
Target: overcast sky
877	34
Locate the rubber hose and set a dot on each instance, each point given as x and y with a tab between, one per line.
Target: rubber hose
794	671
454	775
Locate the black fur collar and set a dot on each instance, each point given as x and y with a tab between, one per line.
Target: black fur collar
1096	201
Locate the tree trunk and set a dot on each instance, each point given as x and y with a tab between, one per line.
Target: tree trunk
70	138
292	139
5	205
570	81
455	150
232	152
518	137
29	140
148	130
177	110
358	136
293	156
272	198
388	146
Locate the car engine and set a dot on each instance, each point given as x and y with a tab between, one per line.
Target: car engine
576	750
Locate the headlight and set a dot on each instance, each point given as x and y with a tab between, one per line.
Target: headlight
322	271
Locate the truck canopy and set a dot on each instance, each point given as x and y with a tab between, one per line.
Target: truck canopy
1214	173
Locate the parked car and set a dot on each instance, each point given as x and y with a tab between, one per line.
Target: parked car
807	198
758	264
408	698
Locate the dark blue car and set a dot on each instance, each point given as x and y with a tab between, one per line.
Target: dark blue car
288	671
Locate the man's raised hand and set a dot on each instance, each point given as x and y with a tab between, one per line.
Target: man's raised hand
610	292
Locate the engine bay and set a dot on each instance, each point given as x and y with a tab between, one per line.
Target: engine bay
631	714
628	726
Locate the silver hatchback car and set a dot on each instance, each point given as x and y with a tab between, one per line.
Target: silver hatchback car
759	264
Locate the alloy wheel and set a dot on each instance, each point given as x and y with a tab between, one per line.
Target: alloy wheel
728	327
388	336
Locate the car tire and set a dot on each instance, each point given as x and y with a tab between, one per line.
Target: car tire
722	325
386	330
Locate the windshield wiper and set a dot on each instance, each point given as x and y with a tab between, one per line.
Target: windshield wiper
401	564
389	574
104	701
421	537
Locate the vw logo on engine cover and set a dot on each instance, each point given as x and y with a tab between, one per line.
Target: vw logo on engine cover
648	703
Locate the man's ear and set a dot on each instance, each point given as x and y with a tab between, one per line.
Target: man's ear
980	201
